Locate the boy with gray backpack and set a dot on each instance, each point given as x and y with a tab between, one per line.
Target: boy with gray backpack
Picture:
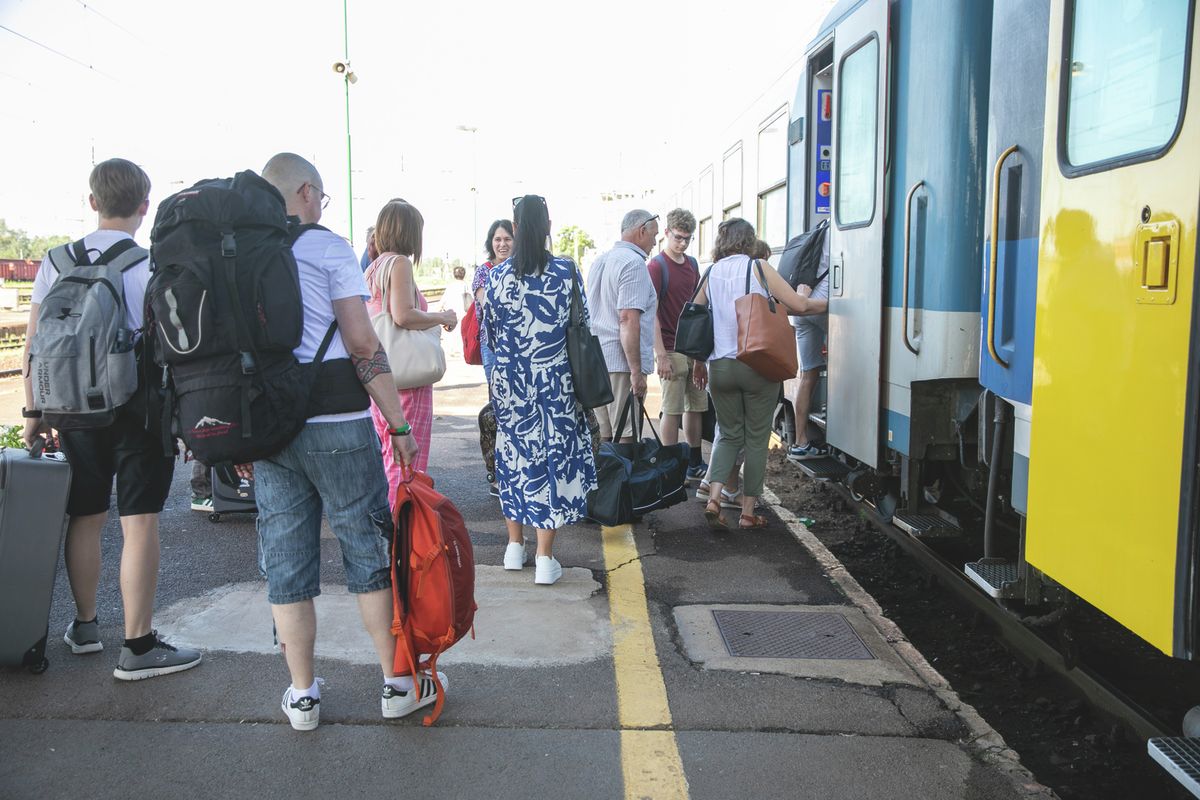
83	345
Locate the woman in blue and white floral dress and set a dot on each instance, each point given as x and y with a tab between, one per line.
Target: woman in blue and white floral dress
544	462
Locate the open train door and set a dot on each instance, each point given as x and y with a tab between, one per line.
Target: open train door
1112	448
860	60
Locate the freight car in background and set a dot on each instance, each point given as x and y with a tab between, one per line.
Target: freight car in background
18	269
1013	189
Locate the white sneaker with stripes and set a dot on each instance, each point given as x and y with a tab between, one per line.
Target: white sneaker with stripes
396	703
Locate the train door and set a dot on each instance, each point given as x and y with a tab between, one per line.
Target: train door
860	61
1111	473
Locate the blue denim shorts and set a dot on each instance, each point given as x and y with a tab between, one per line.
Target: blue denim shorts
335	467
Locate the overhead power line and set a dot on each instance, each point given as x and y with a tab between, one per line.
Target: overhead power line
58	53
111	21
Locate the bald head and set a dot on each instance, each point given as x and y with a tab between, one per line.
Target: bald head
290	173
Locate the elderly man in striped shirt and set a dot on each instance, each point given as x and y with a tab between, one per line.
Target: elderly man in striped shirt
622	303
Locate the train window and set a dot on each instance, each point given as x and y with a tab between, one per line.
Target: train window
857	112
732	211
731	178
772	151
772	216
1126	78
704	238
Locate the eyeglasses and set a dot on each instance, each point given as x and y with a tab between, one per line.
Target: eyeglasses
675	237
324	197
516	201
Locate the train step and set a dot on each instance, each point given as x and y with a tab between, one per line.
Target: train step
999	579
926	524
817	418
1179	756
825	468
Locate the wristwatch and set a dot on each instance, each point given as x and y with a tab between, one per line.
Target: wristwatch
403	430
31	414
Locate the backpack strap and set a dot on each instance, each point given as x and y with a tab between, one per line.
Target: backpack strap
79	253
664	274
296	229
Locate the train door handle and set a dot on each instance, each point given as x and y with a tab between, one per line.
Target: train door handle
904	294
991	317
837	275
1156	262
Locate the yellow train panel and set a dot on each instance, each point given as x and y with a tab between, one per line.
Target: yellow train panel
1114	313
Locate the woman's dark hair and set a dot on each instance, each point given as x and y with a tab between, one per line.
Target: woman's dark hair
487	243
531	217
735	237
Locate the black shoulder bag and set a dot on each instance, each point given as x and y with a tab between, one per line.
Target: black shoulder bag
589	372
694	333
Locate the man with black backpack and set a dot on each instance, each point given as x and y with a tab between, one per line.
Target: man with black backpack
334	463
84	344
805	265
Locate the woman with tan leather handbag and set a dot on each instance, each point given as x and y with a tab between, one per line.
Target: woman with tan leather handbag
406	327
750	303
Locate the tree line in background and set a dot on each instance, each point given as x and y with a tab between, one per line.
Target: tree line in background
16	243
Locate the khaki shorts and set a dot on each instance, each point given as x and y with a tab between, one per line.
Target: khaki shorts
680	395
608	415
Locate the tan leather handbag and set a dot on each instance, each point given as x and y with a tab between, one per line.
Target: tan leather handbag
416	357
766	341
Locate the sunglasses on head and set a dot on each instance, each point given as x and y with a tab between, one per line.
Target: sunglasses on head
516	201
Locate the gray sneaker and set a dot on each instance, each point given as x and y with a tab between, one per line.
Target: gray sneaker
84	637
161	659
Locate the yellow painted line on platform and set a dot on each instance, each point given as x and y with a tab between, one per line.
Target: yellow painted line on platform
650	760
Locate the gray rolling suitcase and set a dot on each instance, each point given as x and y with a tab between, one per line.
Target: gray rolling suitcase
33	519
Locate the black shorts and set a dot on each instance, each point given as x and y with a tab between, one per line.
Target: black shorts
123	450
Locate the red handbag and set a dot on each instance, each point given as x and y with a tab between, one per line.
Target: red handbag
469	330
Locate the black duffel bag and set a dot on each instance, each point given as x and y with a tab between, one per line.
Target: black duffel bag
636	478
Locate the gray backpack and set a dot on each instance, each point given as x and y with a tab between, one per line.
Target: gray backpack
81	358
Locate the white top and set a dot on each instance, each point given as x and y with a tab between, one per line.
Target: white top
456	298
329	271
726	283
135	279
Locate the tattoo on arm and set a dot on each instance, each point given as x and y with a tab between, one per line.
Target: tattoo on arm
369	369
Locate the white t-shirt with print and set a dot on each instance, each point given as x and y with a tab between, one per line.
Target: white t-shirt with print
135	278
329	271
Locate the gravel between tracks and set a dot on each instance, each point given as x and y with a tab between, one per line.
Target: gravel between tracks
1008	708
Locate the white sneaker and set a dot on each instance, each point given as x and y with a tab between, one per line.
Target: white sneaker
547	570
396	703
303	713
514	555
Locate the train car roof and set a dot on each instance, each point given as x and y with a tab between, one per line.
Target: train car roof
836	15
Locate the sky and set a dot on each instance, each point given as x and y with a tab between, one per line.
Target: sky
569	100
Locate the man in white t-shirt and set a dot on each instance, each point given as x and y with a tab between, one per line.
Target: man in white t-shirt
124	450
333	464
811	332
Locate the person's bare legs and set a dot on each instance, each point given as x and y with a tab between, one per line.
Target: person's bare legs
296	627
545	542
139	572
516	532
376	611
670	429
82	556
802	402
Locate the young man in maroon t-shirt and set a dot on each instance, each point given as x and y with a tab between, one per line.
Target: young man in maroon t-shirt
675	275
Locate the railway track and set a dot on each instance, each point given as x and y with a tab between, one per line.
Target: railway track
1024	641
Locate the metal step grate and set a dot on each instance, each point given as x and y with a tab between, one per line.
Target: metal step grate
925	525
826	468
1179	756
789	634
1000	581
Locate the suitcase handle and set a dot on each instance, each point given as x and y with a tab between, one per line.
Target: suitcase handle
35	449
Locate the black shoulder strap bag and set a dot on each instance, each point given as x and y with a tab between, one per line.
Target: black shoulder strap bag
589	372
694	333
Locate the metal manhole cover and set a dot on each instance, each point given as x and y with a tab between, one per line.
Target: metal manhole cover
789	634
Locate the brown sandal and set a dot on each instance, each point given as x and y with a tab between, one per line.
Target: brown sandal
752	521
712	513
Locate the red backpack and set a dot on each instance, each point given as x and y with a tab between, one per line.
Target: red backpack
469	329
433	580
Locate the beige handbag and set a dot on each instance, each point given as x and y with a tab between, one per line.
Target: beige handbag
416	357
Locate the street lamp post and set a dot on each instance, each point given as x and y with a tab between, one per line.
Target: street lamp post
348	77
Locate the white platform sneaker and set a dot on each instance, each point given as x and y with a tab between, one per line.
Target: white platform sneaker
547	570
514	555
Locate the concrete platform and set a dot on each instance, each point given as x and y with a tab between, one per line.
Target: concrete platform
536	699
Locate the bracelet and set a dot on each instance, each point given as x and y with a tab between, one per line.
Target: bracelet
403	430
28	414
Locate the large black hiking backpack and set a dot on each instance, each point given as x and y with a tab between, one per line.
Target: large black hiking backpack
801	260
225	313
